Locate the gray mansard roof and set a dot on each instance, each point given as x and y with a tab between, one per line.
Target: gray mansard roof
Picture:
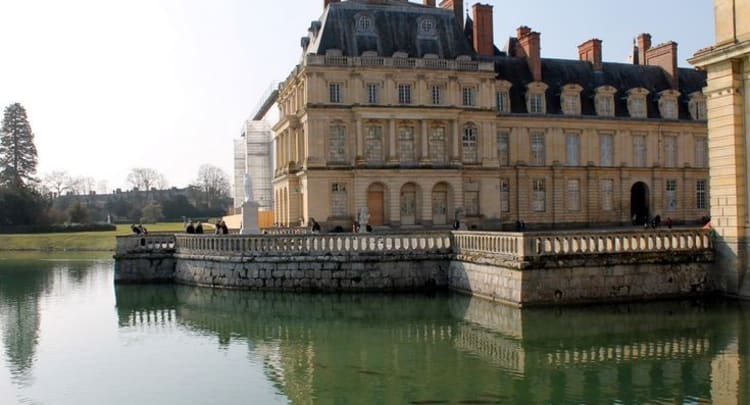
396	28
557	73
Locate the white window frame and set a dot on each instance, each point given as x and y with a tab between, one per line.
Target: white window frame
504	195
337	144
503	148
670	195
640	151
701	152
470	144
572	149
373	93
538	149
339	200
436	94
538	195
502	99
469	96
701	194
335	93
670	151
404	93
606	149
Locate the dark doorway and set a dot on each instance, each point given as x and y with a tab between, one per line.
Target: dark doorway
639	213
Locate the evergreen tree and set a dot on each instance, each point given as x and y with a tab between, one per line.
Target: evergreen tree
17	150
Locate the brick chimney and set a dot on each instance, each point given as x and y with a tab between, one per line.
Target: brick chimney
643	43
484	35
327	2
591	51
530	43
458	9
665	56
429	3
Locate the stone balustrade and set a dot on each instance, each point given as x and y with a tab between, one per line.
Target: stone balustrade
529	245
400	63
314	244
153	243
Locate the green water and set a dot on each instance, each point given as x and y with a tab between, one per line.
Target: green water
70	336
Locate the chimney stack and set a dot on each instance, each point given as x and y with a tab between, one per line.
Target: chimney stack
643	43
458	9
484	34
327	2
530	43
591	51
429	3
665	56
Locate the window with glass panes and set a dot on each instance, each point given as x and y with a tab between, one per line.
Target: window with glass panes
503	101
573	149
537	149
607	194
470	96
671	195
337	144
538	195
373	93
334	92
404	93
574	195
406	144
374	144
701	152
437	94
339	200
536	103
469	143
503	148
504	195
701	199
670	151
437	145
471	202
606	150
639	150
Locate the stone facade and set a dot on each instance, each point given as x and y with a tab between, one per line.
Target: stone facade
422	129
728	93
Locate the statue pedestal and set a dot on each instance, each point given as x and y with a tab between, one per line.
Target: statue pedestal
249	218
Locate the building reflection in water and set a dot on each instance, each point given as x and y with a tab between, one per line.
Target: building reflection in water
404	348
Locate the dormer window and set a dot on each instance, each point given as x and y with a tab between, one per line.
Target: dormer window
637	102
668	104
570	99
502	97
364	24
604	101
697	106
535	98
426	26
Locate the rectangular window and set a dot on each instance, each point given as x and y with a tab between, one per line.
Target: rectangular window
334	93
573	149
537	149
639	151
671	195
503	101
574	195
670	109
536	103
437	94
608	188
538	195
605	105
700	110
670	151
570	104
404	93
437	145
337	145
504	195
701	202
606	150
373	93
701	152
470	96
637	107
503	148
406	145
374	144
471	202
339	200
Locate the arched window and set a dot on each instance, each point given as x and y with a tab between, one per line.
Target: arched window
469	143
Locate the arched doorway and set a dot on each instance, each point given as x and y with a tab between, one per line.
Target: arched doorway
440	208
639	206
376	204
409	204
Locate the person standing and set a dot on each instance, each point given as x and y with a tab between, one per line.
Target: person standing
199	228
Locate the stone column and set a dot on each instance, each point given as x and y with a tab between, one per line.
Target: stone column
424	154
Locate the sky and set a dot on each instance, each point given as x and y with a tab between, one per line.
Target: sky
113	85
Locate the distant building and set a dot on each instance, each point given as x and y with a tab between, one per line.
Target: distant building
728	66
403	109
253	154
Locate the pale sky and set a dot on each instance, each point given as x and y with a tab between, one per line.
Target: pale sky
111	85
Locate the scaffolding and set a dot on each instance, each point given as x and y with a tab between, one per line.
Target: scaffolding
252	155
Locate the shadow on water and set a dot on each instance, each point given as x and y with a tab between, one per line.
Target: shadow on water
446	348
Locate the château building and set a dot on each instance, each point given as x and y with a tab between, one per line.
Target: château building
727	64
406	110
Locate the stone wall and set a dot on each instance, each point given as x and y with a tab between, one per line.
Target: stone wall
315	273
145	268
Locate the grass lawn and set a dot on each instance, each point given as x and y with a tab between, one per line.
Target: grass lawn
77	241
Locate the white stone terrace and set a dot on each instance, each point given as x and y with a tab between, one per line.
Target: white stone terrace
512	246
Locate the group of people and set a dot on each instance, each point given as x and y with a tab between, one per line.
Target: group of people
139	229
654	222
197	227
194	228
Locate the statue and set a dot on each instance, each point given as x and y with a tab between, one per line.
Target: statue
248	188
363	217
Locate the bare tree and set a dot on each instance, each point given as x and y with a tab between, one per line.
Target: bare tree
102	187
88	184
57	182
74	185
213	184
146	179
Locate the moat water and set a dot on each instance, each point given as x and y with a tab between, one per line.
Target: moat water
70	336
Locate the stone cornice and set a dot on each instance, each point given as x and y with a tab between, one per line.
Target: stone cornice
712	56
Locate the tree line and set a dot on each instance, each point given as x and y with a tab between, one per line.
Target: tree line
58	197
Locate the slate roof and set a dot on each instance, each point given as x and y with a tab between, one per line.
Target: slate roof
395	29
557	73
